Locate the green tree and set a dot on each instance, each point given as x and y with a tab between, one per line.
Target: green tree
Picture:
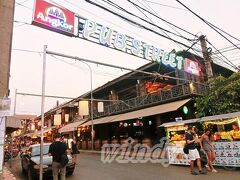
223	96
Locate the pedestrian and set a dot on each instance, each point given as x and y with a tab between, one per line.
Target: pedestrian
193	152
206	145
75	150
56	150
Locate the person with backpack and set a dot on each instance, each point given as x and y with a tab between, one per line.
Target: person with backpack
57	150
193	152
75	150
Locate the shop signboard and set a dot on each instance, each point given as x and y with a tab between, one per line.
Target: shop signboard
53	18
227	153
191	67
108	37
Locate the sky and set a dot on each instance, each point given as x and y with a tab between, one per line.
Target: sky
69	78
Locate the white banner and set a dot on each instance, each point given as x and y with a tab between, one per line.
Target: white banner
2	137
5	107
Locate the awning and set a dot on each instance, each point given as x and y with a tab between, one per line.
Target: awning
220	117
13	122
38	133
159	109
203	119
178	123
71	126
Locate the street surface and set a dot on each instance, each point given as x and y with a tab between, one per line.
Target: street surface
90	167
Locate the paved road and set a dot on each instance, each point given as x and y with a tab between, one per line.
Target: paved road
91	168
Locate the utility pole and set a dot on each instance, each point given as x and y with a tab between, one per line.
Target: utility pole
206	56
6	30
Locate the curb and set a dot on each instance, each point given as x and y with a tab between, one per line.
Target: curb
90	151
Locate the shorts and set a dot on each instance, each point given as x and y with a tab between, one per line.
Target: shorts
208	148
193	154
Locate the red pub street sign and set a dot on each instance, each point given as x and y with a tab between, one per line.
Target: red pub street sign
54	18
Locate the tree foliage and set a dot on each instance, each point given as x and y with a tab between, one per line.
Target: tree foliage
222	96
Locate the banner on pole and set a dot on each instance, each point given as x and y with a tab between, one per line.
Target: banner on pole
5	107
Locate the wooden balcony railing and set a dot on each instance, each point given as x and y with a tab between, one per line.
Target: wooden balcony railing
176	92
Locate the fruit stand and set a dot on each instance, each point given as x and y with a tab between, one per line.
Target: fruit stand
225	138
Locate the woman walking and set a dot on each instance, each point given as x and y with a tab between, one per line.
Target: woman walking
75	150
206	145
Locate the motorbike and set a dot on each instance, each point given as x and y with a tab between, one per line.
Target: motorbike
7	156
10	153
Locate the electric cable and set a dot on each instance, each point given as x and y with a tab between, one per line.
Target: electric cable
221	49
136	23
106	20
164	5
224	51
232	65
163	19
21	2
209	24
195	41
24	6
151	23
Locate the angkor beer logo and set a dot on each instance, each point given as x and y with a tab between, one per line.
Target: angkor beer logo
56	18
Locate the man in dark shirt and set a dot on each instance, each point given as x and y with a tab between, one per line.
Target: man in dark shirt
56	150
193	152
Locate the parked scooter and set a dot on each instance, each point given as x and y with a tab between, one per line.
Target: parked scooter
8	152
7	156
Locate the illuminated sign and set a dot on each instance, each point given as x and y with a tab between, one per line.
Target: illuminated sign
191	67
54	18
105	36
185	110
155	87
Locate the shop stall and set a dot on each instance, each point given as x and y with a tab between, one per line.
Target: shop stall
225	138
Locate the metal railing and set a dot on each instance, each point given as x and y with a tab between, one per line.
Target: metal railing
176	92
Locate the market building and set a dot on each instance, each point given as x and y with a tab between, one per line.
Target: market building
135	104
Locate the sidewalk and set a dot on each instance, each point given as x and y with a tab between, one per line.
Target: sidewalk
7	175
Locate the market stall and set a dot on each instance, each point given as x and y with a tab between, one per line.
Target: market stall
225	138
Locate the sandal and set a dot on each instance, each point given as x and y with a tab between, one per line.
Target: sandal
194	173
214	170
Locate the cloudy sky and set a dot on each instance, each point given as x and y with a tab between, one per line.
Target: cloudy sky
68	78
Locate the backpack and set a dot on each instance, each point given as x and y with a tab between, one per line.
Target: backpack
64	160
185	149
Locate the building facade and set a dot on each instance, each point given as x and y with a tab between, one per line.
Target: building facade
136	104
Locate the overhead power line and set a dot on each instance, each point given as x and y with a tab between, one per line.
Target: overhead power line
193	42
136	23
209	24
228	61
224	51
162	19
24	6
228	47
164	5
151	23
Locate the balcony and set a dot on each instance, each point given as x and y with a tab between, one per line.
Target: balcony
176	92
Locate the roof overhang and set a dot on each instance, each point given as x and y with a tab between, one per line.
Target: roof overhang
203	119
71	126
159	109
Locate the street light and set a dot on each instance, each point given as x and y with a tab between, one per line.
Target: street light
91	101
42	110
